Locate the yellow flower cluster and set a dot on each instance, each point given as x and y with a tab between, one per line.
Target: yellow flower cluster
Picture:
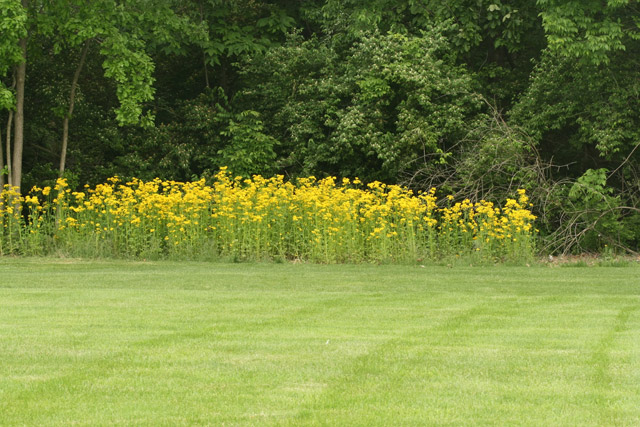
265	218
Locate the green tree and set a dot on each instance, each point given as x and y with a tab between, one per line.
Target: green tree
590	30
494	39
389	100
124	32
13	43
581	108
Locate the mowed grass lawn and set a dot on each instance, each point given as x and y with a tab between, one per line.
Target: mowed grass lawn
101	343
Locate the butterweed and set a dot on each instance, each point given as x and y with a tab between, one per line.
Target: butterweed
259	218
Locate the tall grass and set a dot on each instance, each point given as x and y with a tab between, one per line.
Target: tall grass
262	218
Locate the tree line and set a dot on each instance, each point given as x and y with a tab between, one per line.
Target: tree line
475	97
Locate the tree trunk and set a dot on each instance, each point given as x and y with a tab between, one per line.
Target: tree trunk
2	180
8	140
67	117
8	146
18	142
204	54
206	71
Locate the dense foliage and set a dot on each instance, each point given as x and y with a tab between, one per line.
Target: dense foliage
475	97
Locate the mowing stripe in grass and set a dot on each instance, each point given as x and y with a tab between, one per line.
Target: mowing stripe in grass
602	360
389	370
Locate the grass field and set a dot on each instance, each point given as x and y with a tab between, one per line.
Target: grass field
97	343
